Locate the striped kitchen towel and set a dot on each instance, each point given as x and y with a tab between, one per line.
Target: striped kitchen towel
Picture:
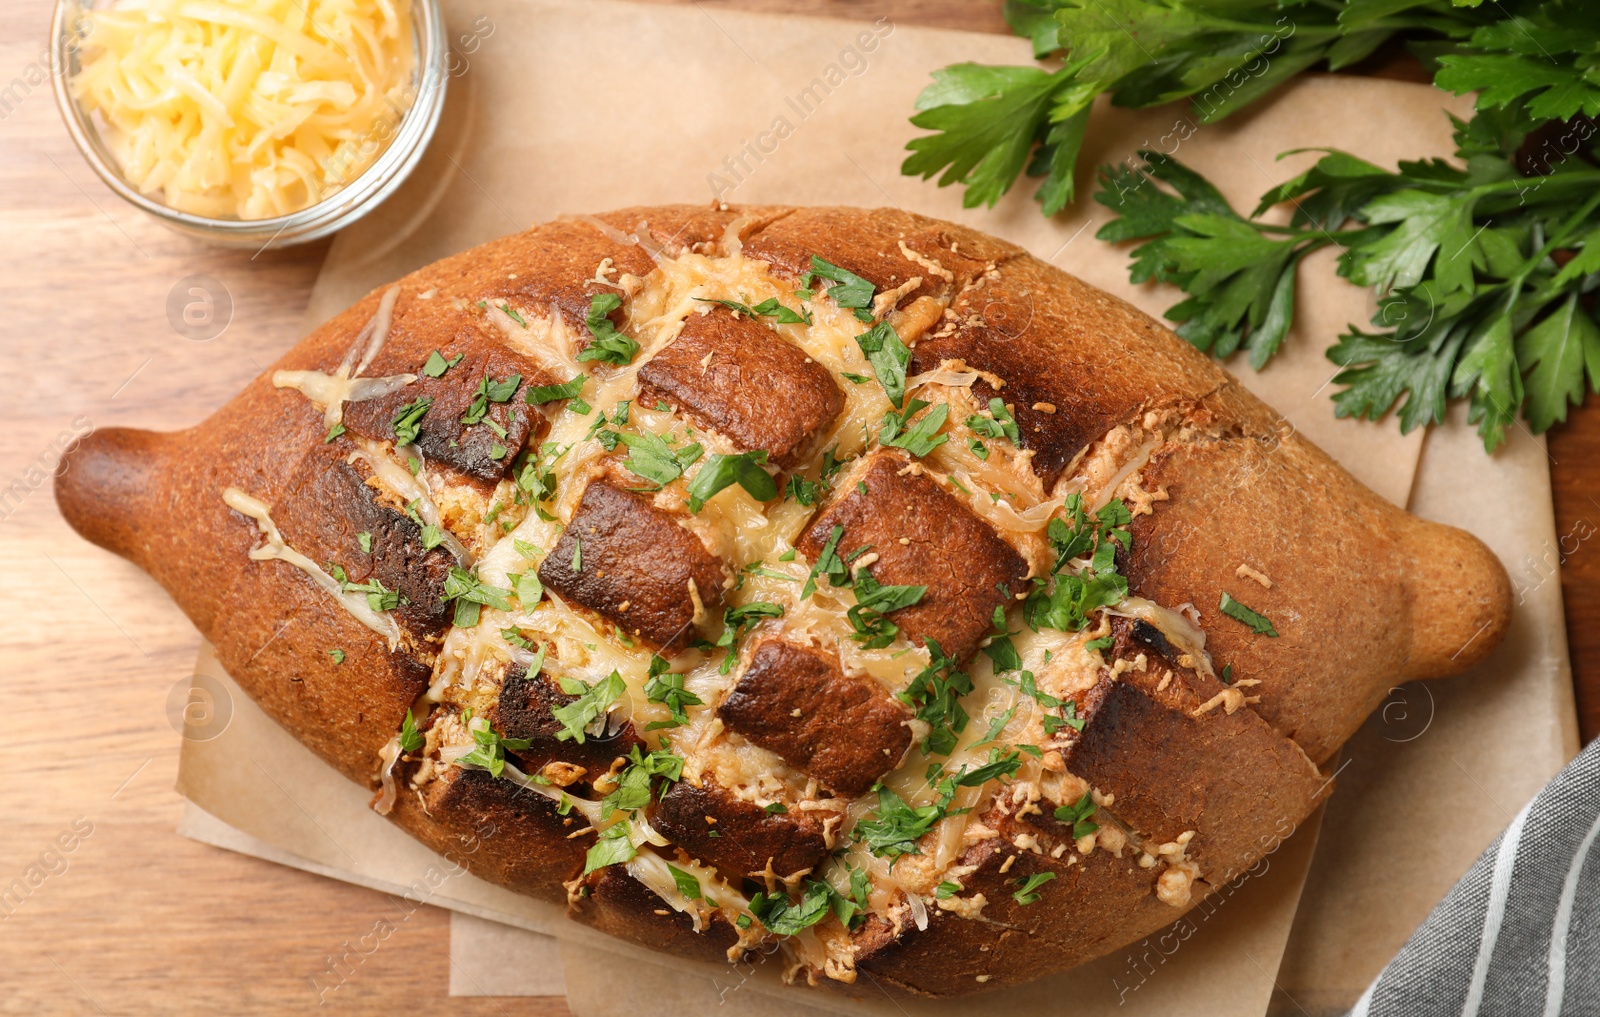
1520	933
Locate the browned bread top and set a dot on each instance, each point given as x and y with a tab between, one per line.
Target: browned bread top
844	579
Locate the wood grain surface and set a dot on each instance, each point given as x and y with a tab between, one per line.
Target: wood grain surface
117	914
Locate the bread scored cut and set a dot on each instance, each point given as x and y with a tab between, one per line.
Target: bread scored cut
842	578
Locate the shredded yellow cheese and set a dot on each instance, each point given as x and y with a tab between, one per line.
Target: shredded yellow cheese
247	109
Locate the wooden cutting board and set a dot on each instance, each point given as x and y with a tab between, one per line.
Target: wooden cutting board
93	648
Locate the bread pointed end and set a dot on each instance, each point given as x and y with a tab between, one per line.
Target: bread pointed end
1461	604
107	487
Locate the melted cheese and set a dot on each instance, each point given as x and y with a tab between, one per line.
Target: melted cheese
275	548
1001	489
246	108
345	384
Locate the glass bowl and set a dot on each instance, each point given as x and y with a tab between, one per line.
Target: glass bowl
342	207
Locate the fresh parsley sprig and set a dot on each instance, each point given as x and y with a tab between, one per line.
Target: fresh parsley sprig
1484	268
991	124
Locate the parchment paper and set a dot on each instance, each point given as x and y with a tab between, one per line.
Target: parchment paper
568	108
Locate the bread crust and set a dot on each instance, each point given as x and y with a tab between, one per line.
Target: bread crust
796	701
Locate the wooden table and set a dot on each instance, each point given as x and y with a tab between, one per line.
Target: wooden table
131	918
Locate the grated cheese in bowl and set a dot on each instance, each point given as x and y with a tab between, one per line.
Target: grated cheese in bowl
246	109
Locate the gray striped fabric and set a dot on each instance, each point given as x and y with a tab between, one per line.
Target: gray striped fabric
1520	934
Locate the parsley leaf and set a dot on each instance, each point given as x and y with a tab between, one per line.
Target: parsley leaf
538	394
687	884
470	595
888	356
721	471
1078	816
436	364
613	846
490	752
768	308
894	829
934	696
998	424
638	777
848	290
736	621
873	601
783	917
408	420
1026	892
379	598
654	460
592	702
410	738
609	346
921	437
667	688
1258	623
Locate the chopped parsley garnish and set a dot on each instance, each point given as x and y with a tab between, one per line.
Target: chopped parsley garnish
873	602
527	587
539	394
768	308
896	826
634	784
998	424
888	356
848	289
1258	622
721	471
408	421
998	765
736	621
513	315
653	459
490	752
1100	645
333	432
612	847
687	884
490	391
946	890
410	738
610	346
666	687
935	697
535	479
921	437
853	378
783	917
577	554
776	808
1026	892
337	655
436	364
978	448
1071	599
378	597
828	564
1079	816
471	595
364	538
803	491
593	700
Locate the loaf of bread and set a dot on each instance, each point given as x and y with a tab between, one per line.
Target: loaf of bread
842	579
